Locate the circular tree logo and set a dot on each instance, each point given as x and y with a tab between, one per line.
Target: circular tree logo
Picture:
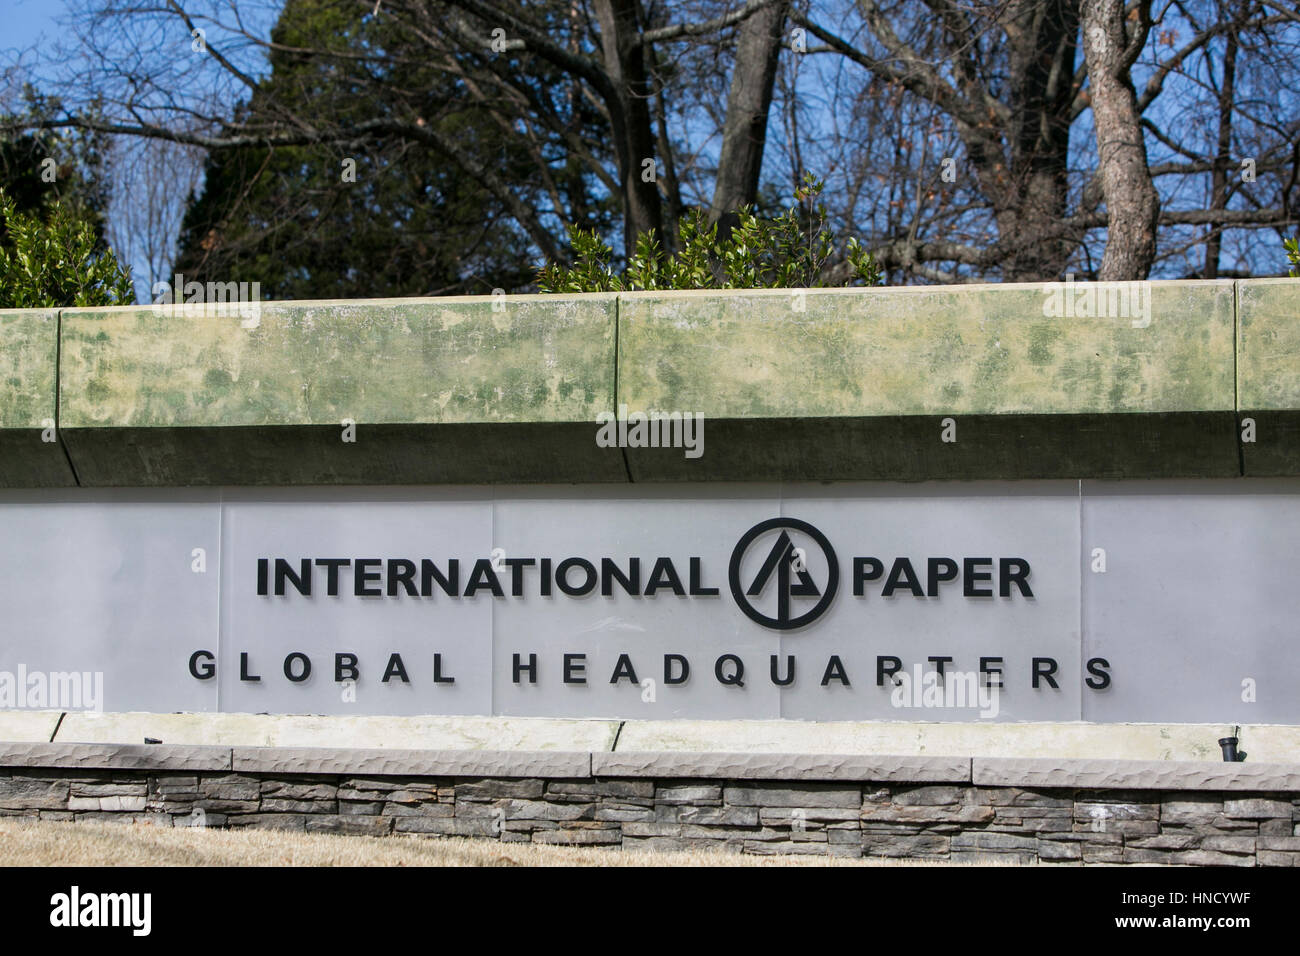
786	567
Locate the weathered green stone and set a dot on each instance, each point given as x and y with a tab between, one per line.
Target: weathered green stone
29	359
465	389
1268	374
857	384
822	384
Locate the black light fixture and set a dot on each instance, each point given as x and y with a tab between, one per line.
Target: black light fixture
1229	747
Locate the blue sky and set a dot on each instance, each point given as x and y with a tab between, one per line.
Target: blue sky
27	21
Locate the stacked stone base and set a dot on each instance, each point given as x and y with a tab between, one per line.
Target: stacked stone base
927	821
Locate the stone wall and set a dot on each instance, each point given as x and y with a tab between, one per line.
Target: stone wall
878	806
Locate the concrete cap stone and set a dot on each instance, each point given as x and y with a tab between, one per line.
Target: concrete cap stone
115	756
411	763
1134	774
777	766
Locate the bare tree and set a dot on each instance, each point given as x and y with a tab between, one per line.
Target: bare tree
981	161
1112	42
508	58
151	182
1002	76
963	141
1223	151
744	134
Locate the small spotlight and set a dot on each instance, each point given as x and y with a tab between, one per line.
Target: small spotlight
1229	747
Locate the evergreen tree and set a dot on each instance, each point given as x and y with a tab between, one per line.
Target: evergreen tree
386	218
44	169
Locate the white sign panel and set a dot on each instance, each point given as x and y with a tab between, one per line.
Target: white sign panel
958	601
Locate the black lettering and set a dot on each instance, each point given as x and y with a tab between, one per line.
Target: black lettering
835	671
531	667
971	575
345	667
438	677
243	669
301	581
396	669
938	571
610	572
1045	667
1013	571
623	670
449	582
205	670
401	571
735	678
562	576
664	575
516	566
987	670
697	576
361	577
776	671
575	668
1099	668
887	667
483	577
902	575
331	566
669	661
288	666
864	570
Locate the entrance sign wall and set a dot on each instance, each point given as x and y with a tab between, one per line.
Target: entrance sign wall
1163	601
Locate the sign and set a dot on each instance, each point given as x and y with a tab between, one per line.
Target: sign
1123	601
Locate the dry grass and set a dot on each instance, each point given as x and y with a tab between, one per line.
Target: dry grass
34	843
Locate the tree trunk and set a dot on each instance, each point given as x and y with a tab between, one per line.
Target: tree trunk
634	140
744	134
1042	37
1131	201
1223	157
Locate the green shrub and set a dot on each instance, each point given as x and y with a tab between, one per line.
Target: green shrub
53	259
1292	247
790	251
